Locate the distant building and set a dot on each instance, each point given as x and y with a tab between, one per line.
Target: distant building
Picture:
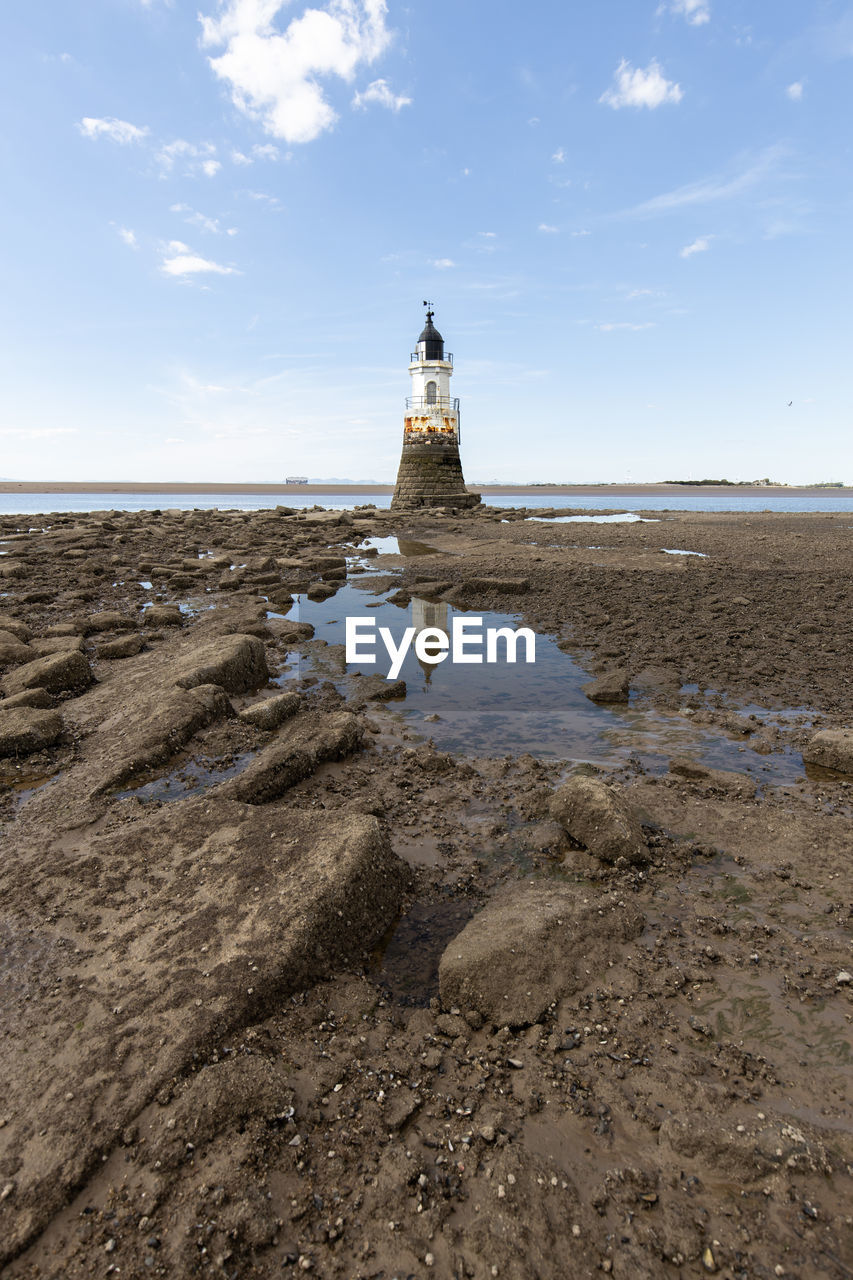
295	479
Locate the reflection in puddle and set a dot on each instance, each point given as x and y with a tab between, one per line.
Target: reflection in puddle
490	709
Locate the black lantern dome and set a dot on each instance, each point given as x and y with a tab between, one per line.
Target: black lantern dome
430	343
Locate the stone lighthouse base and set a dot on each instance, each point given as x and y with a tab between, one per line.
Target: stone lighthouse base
430	475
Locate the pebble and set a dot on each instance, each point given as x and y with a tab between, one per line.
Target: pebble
843	977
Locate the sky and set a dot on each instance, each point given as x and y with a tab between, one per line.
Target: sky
220	219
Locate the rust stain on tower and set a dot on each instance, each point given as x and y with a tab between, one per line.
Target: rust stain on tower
430	473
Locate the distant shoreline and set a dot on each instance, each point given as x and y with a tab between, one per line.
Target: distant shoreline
311	490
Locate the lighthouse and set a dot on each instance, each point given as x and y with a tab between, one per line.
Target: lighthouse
430	473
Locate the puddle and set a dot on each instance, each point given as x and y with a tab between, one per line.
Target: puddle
625	517
673	551
492	709
407	966
189	779
394	546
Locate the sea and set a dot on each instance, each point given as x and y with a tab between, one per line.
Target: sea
829	501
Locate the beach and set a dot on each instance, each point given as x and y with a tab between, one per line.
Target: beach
489	971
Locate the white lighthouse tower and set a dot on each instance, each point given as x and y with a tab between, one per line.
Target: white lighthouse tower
430	473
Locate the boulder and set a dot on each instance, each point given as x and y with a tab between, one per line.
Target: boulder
217	912
271	712
307	742
531	945
28	698
65	672
12	652
163	615
44	645
739	784
124	647
26	729
18	629
235	662
596	816
108	620
611	687
831	748
375	688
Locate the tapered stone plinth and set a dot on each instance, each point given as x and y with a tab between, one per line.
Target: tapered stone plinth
430	475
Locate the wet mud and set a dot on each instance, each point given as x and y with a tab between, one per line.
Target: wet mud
518	970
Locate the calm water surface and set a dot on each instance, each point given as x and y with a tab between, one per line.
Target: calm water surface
42	503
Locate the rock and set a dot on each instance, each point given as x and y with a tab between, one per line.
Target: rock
29	698
546	837
12	652
18	629
45	645
66	672
109	620
161	726
843	978
596	816
27	729
531	945
611	687
307	742
832	749
739	784
163	615
125	647
272	712
235	662
321	590
203	884
375	688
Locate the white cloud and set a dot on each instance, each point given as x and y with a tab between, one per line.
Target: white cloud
635	87
382	94
559	156
275	76
625	324
795	91
195	158
696	12
179	260
129	237
196	219
544	226
699	245
443	264
263	198
116	130
710	190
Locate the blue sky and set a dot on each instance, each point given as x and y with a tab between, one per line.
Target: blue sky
220	219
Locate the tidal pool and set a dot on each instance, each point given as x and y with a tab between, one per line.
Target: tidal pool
492	709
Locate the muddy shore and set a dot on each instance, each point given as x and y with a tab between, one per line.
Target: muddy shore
292	982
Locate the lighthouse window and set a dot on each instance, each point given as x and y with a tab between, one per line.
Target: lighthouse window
431	393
